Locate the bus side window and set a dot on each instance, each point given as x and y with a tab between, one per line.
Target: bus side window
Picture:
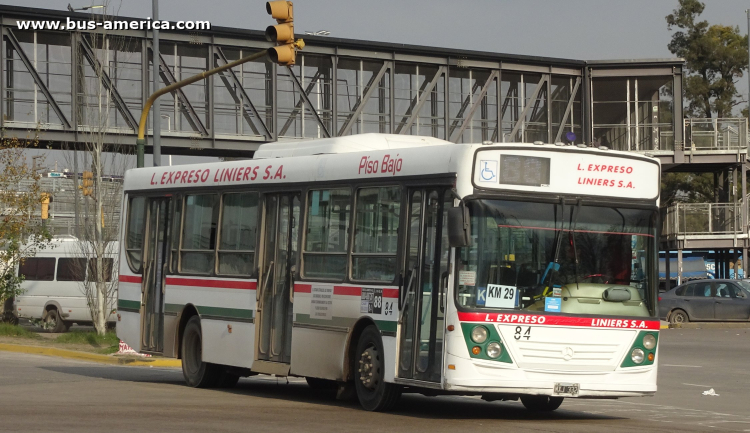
107	268
199	233
37	269
328	213
135	232
239	224
71	269
378	212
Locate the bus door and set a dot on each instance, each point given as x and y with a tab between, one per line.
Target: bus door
155	263
274	310
425	274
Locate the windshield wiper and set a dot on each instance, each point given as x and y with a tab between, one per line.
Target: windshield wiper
555	265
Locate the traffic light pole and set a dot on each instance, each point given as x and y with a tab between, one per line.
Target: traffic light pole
141	141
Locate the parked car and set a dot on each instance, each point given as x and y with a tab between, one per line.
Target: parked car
706	300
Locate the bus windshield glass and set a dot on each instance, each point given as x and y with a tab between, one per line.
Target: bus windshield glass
559	258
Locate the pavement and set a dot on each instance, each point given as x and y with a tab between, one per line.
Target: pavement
41	393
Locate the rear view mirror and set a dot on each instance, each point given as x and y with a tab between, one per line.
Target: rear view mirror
459	228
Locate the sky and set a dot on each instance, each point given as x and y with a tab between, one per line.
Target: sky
571	29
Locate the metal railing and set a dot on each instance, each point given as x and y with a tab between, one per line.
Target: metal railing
702	219
703	134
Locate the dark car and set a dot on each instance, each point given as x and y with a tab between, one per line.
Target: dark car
706	300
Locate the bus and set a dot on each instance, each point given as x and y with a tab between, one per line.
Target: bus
54	286
384	264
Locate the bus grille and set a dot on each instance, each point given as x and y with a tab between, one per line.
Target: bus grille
567	349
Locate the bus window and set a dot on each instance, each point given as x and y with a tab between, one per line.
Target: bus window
378	212
199	234
106	264
239	223
37	269
327	234
71	269
135	232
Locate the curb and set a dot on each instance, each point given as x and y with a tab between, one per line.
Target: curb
91	357
710	325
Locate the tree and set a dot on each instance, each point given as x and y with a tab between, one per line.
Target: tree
715	58
687	187
22	232
100	211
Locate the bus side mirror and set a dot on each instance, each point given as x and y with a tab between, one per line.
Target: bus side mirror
459	227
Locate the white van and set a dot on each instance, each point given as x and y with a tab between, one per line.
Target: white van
53	285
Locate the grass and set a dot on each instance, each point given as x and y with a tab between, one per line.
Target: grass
108	343
8	330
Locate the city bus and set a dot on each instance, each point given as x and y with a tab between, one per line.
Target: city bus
383	264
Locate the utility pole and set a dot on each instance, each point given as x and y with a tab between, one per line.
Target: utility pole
155	78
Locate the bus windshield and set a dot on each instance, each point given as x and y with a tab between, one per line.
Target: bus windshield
560	258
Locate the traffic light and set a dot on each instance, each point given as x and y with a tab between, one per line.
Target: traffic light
283	33
45	205
88	183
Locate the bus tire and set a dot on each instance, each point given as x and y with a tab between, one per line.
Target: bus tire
678	316
53	322
373	392
541	403
197	373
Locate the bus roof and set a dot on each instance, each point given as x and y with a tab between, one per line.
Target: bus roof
346	144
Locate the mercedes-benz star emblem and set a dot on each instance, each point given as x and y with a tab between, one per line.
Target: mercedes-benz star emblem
567	353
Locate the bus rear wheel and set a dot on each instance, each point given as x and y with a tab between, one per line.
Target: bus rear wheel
541	403
373	392
53	322
197	373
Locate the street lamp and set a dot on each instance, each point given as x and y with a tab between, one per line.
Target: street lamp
85	8
318	33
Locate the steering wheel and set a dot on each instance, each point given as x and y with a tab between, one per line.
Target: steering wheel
604	278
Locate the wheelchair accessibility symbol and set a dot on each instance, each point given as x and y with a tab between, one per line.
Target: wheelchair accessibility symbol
487	170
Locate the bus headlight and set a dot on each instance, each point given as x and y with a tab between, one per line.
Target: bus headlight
637	355
479	334
494	350
649	341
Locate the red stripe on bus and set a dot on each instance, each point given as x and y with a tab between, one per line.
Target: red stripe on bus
130	279
217	284
347	290
540	319
390	293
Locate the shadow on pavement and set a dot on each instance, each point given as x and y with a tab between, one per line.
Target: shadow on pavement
297	390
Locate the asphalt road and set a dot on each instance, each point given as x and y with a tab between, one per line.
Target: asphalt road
50	394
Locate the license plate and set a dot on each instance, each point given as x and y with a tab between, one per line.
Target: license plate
568	389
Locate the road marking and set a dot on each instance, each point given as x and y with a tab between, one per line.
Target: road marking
695	384
684	366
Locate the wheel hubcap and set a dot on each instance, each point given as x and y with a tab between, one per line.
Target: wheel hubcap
368	368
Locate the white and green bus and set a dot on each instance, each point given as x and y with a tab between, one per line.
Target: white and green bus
395	264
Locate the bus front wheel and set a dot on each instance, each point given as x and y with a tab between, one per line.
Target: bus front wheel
197	373
541	403
373	392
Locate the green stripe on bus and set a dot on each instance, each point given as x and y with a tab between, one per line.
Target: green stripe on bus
124	304
386	325
229	313
173	308
344	322
216	312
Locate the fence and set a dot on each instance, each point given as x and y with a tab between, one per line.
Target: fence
702	219
715	134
